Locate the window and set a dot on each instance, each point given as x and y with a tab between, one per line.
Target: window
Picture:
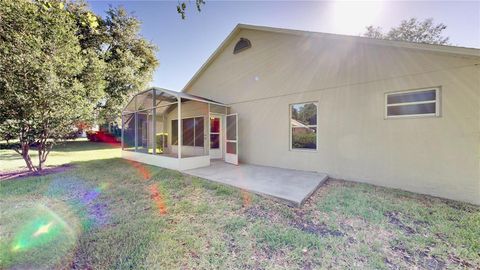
242	45
422	102
192	132
303	126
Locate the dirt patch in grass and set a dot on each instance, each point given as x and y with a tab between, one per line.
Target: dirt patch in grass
23	173
259	211
420	258
393	218
317	229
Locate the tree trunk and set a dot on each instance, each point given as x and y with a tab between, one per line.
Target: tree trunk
40	161
26	156
43	151
24	149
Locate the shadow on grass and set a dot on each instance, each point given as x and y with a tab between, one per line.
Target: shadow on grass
67	146
73	146
24	173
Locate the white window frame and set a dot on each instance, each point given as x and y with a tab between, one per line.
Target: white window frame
290	147
436	101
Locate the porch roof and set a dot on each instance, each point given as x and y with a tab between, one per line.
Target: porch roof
189	96
178	95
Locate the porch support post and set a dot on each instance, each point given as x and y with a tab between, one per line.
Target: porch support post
154	131
207	150
123	127
179	100
154	124
136	131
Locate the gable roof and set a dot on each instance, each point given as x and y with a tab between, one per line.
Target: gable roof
461	51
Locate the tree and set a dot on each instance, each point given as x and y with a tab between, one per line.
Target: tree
47	82
61	65
182	7
130	61
305	113
412	30
308	114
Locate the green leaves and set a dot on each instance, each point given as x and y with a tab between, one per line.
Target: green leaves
130	61
182	7
412	30
46	84
62	65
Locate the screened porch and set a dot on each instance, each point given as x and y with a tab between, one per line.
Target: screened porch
153	134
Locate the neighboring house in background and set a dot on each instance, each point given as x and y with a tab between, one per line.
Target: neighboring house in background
300	128
395	114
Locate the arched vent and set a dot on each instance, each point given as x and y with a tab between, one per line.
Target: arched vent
242	45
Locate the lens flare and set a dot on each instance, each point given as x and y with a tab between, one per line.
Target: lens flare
48	226
43	229
103	186
158	199
82	199
142	170
247	198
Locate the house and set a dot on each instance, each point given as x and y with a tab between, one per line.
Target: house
395	114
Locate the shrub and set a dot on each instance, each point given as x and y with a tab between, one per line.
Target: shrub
161	141
304	140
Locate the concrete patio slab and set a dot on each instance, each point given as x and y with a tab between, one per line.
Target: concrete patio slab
289	186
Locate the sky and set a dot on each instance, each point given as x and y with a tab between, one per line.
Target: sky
184	45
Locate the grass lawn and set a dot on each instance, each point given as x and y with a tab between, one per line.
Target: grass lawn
71	151
111	213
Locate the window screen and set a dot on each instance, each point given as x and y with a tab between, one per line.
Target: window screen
423	102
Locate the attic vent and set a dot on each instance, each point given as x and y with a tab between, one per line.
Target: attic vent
242	45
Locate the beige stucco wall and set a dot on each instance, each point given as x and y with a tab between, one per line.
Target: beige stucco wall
438	156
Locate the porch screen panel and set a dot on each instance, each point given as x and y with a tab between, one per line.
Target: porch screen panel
174	132
144	100
193	136
128	126
193	112
231	134
231	127
145	131
199	134
188	134
161	132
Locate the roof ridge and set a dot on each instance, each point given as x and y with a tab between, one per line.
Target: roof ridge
281	29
